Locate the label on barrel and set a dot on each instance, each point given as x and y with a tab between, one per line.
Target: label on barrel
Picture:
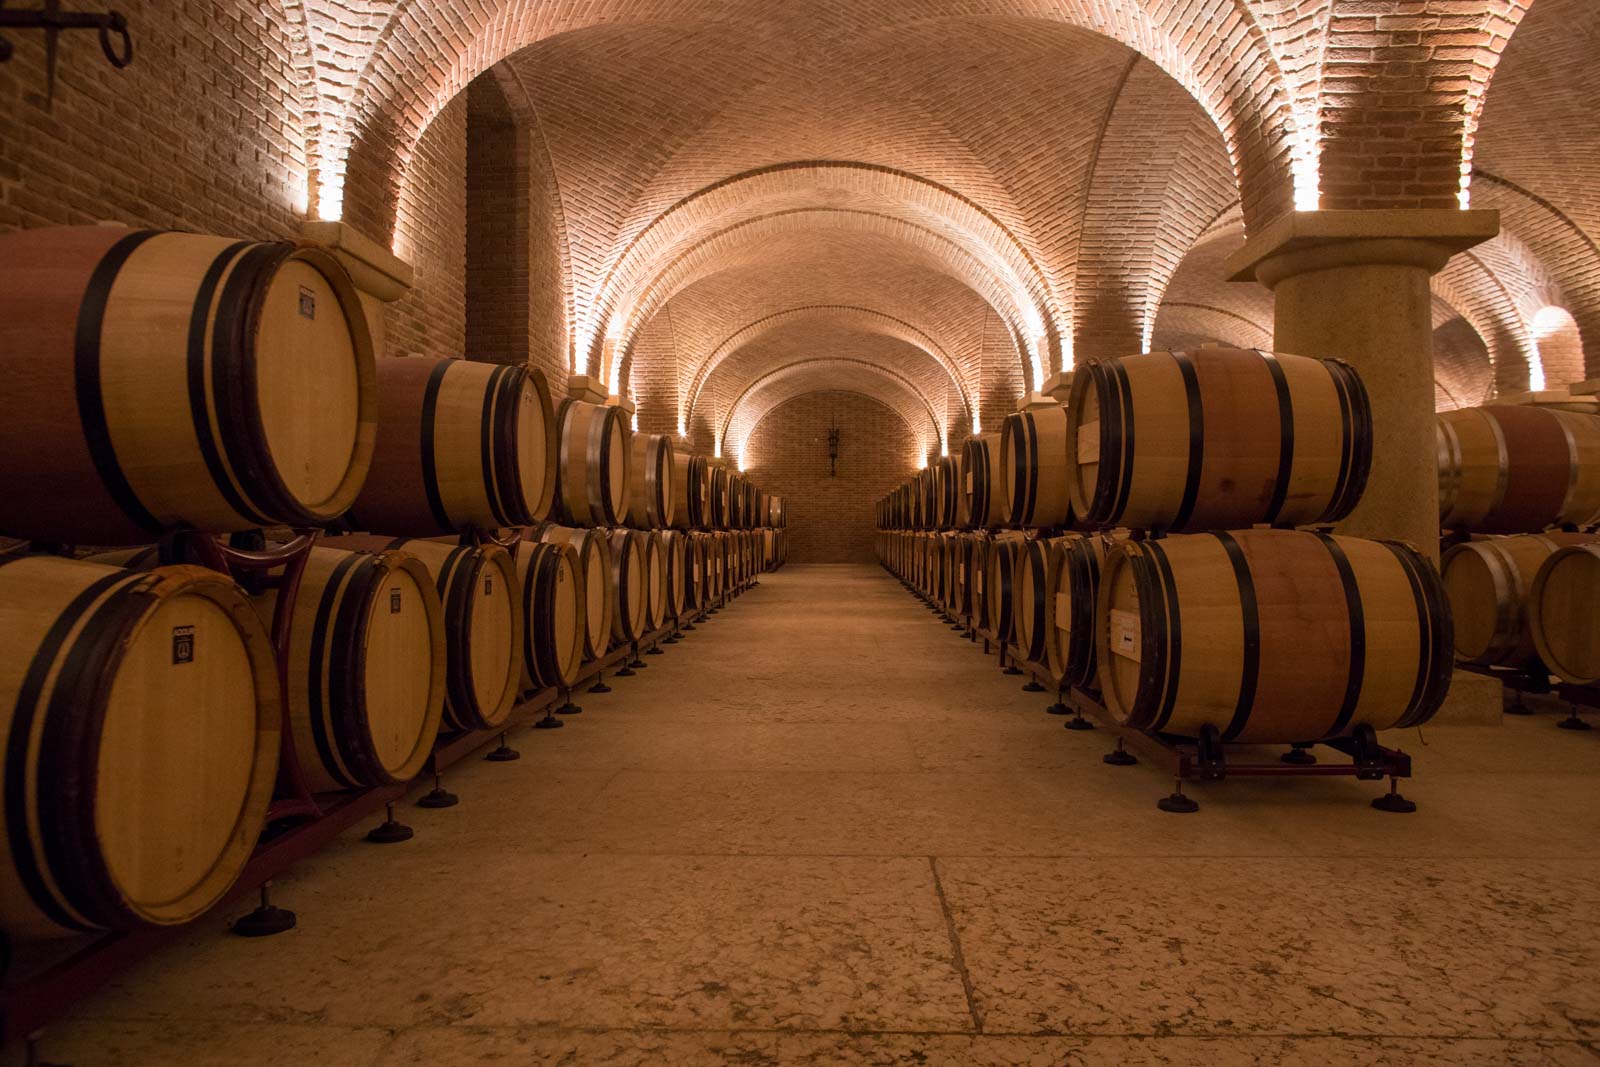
488	585
308	303
1089	442
1125	634
969	481
394	602
182	644
1063	611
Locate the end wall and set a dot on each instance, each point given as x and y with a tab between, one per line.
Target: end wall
831	518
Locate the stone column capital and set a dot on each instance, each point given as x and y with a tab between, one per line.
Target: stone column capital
1304	241
375	270
584	387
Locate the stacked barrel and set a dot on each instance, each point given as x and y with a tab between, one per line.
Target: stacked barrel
422	544
1162	541
1519	503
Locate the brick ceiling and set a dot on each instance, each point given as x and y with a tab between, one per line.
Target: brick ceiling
757	198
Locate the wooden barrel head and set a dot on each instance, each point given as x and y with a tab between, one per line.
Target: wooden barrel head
1566	628
402	677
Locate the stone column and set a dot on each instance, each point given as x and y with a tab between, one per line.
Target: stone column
381	277
1355	285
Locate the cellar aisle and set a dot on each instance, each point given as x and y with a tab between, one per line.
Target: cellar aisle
829	830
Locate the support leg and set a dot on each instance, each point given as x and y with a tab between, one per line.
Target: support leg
1120	756
1392	801
504	754
267	919
600	685
438	796
1031	686
1299	755
1572	722
1078	722
567	707
390	831
1178	802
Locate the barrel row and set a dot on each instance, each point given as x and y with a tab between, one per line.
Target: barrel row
126	814
161	381
1218	438
1274	636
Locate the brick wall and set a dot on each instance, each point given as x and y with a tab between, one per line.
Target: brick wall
497	243
431	319
202	132
831	518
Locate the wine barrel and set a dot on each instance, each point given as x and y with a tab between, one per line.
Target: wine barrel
674	551
630	581
482	624
1033	467
1517	469
1271	636
594	553
142	711
367	667
460	444
1489	583
963	516
157	380
946	492
691	491
983	485
778	518
1002	563
1215	439
1070	643
1033	585
717	493
652	496
593	468
554	615
694	574
1565	632
655	582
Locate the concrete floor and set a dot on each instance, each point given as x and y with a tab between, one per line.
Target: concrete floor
825	829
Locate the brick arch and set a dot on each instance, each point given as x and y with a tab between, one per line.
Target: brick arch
866	320
1200	303
1159	176
938	218
754	241
828	374
426	51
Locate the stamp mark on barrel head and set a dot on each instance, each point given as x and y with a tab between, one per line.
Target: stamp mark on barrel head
394	602
488	586
182	644
308	303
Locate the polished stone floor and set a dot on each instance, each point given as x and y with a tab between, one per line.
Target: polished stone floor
825	829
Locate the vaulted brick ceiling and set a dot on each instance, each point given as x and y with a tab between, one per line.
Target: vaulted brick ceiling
977	193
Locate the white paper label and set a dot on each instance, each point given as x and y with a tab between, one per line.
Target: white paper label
969	481
1063	611
1125	634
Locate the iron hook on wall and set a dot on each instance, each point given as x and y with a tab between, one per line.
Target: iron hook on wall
115	40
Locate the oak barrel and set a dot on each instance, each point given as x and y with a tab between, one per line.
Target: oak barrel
1215	439
674	549
554	615
1033	585
142	711
1490	583
691	490
982	483
1033	467
1566	628
1517	469
156	380
478	587
1271	635
1070	643
594	554
593	464
652	493
460	444
367	667
630	581
717	494
655	581
999	585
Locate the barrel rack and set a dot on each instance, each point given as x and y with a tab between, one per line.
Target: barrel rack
57	975
1534	679
1196	759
